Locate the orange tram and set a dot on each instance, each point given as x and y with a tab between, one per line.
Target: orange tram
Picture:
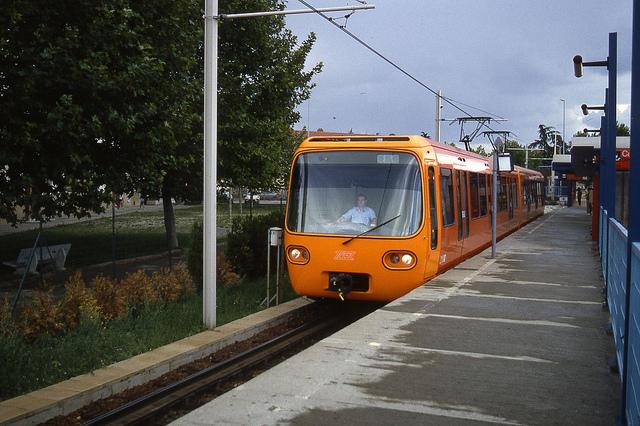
373	217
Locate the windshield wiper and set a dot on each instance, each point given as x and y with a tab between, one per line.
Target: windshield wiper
370	230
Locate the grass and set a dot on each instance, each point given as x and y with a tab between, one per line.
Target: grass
138	233
48	360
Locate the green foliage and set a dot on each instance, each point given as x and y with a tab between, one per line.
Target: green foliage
106	97
518	156
260	88
247	243
622	129
480	150
138	233
244	297
548	138
29	366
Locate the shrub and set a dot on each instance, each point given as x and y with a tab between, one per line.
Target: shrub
225	272
109	296
7	325
42	317
247	243
173	285
78	304
137	289
182	274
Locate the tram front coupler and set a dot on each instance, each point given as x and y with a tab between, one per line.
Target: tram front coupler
342	283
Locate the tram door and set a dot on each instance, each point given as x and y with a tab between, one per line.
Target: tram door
510	196
463	211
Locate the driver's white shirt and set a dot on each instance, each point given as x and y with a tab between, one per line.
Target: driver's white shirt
362	215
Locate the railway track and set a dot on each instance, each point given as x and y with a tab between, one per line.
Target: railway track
155	404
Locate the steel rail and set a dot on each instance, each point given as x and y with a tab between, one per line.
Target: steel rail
163	398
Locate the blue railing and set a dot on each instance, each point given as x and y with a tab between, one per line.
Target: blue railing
604	220
633	364
616	278
613	251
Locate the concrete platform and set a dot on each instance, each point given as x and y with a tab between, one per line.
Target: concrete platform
515	340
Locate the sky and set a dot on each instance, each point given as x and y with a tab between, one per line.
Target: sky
512	58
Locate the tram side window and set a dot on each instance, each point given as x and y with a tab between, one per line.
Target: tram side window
483	194
433	211
473	186
502	194
446	190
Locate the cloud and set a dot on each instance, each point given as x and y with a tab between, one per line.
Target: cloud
510	58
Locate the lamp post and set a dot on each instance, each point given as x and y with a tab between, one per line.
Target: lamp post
608	174
211	22
608	139
564	140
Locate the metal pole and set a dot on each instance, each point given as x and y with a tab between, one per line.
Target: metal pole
278	277
611	102
564	140
494	205
438	106
26	270
268	266
113	238
210	154
634	169
308	115
211	19
526	156
603	160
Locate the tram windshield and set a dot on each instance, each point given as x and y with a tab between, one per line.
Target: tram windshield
350	192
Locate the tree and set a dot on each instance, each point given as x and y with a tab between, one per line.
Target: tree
480	150
518	155
262	80
622	129
92	90
103	98
50	132
548	140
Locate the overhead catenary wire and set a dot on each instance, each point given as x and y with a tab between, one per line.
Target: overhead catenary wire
472	107
389	61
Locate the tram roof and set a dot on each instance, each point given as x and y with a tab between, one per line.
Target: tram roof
444	153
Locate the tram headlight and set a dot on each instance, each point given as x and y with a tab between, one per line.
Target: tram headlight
298	255
407	259
398	260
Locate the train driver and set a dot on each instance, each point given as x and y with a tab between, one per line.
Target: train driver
360	213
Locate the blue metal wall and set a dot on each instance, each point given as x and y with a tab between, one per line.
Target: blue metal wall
633	363
604	221
616	278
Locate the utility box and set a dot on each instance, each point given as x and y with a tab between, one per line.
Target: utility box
275	236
